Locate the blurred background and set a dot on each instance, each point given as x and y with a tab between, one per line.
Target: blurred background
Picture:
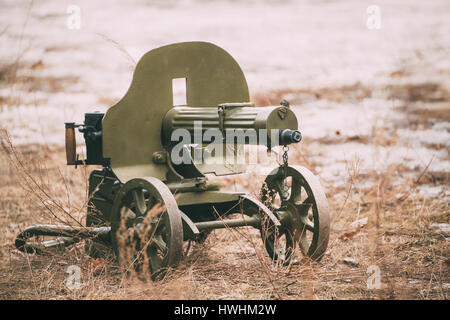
369	82
59	59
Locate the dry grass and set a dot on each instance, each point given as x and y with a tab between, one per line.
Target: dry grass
37	187
414	260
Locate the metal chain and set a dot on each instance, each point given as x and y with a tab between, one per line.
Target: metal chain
285	165
285	156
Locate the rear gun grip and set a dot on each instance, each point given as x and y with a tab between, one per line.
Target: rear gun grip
71	145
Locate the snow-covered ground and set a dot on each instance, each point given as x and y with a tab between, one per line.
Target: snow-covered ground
278	44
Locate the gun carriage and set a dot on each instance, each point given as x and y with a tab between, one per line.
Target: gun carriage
152	193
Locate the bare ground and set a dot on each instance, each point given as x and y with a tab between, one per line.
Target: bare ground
404	195
400	237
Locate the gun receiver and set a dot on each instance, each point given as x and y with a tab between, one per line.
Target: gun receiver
263	124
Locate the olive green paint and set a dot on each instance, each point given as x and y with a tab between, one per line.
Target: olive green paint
132	127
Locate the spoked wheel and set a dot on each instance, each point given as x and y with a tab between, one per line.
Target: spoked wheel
295	195
146	227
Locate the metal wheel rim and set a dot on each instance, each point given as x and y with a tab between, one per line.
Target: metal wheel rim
297	226
162	228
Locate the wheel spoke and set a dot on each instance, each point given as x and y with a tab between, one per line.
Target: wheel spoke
159	242
309	225
279	186
154	260
303	241
139	200
309	200
304	207
296	190
128	216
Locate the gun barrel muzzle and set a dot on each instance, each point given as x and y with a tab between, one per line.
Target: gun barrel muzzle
289	136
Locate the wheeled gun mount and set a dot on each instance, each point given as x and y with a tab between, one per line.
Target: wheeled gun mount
146	195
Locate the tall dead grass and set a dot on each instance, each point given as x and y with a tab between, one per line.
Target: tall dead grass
232	263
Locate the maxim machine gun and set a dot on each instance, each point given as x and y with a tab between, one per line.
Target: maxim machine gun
152	193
